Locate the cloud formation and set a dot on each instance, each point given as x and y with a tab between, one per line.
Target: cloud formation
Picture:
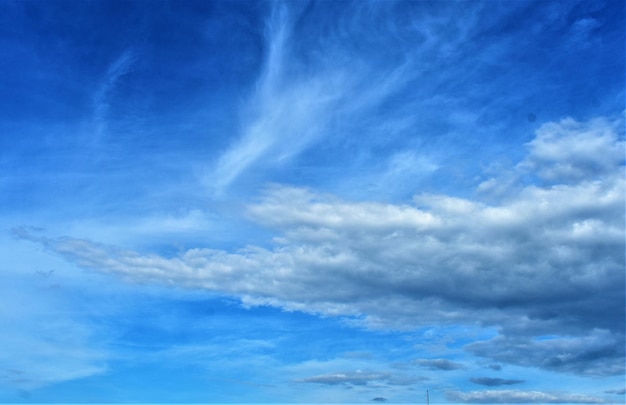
520	397
439	364
494	382
102	98
544	264
359	377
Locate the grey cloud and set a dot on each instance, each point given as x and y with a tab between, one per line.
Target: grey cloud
598	353
349	378
520	397
616	392
545	260
439	364
361	378
494	382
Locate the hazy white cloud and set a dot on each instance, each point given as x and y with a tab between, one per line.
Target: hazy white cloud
547	260
294	108
284	114
520	397
102	98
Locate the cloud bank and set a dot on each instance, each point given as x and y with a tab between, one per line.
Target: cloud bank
520	397
544	264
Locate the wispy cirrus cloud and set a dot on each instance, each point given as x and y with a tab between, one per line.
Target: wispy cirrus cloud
317	86
284	114
102	97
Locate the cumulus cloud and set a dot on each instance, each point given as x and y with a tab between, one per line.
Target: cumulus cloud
494	382
547	260
572	151
520	397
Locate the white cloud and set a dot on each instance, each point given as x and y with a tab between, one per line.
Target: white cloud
282	116
292	109
520	397
571	150
546	260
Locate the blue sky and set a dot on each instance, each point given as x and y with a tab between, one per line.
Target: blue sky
312	202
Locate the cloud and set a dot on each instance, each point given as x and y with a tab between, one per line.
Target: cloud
359	377
317	85
596	353
545	260
520	397
616	392
494	382
571	150
349	378
120	67
284	115
439	364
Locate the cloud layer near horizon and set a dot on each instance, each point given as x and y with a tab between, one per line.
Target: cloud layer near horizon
543	262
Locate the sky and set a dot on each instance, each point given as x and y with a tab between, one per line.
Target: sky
312	202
